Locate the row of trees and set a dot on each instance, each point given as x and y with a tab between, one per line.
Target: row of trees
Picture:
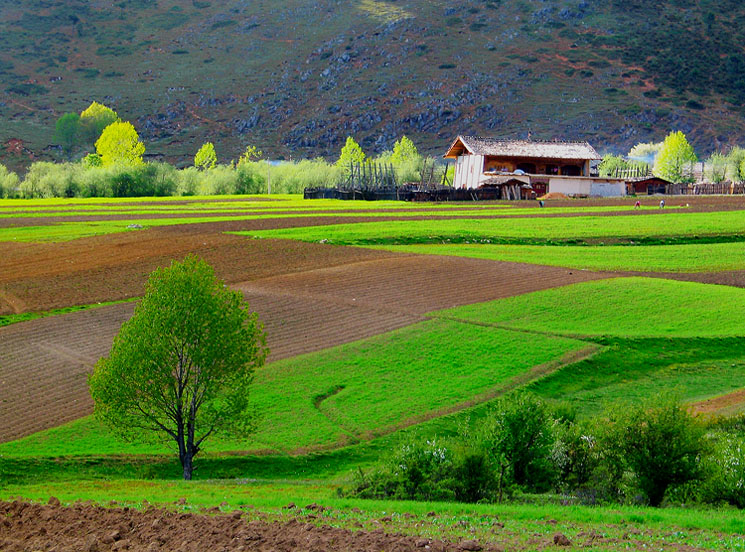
652	452
673	160
117	169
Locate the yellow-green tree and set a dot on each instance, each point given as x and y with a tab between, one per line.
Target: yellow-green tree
351	153
403	151
93	120
675	159
206	157
249	155
120	144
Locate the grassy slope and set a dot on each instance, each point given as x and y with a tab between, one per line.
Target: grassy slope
711	257
635	369
628	307
373	385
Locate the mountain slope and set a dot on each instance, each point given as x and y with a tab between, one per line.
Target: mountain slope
296	77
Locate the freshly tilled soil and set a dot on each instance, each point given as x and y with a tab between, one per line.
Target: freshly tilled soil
28	527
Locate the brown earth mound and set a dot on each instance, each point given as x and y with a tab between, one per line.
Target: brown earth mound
88	528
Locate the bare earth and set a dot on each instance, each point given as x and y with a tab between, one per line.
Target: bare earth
81	527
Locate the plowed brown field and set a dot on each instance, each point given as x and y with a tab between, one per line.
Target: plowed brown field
45	361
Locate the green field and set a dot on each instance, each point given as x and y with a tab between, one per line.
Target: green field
709	257
659	227
628	307
353	392
324	416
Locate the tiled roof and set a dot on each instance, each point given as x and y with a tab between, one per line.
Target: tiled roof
528	148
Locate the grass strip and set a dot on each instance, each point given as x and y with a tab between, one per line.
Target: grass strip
8	319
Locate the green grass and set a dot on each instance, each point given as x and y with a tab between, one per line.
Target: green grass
9	319
372	387
618	228
629	307
636	369
711	257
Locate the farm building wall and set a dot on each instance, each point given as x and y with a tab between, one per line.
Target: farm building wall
584	186
469	171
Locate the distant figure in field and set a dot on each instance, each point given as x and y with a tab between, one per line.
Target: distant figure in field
540	203
662	204
638	204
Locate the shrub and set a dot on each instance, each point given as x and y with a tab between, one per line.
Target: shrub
418	471
8	182
518	434
725	471
659	441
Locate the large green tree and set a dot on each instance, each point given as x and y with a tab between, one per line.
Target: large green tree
67	130
180	368
675	159
120	144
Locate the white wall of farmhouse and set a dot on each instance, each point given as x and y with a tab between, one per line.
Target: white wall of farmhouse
469	171
591	187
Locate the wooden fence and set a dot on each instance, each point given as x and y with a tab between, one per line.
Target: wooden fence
723	188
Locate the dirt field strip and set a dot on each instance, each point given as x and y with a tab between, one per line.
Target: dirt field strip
44	364
41	277
720	405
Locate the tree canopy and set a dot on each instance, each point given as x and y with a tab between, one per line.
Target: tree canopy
66	131
93	120
404	150
206	157
180	368
250	154
675	159
120	144
351	153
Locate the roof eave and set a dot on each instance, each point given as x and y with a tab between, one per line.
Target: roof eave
459	138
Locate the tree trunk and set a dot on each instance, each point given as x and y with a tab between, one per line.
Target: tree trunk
187	462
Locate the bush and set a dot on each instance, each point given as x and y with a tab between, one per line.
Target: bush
430	470
659	441
418	471
8	183
725	471
518	435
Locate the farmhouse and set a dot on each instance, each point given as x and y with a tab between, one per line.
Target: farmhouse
541	167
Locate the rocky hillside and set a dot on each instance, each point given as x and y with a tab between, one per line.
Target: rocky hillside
296	77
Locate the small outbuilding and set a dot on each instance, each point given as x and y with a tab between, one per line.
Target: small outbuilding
648	185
